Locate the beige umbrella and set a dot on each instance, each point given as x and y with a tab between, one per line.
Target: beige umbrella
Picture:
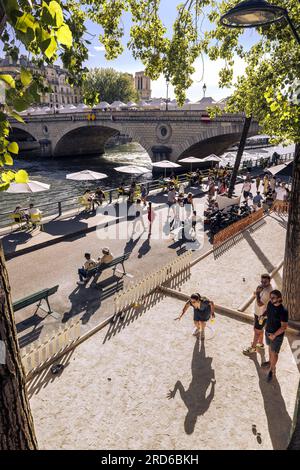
165	164
132	170
86	175
29	187
191	160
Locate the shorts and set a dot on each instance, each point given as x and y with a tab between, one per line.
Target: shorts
201	316
246	194
257	326
275	345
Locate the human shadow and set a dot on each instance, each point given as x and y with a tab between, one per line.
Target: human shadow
145	247
11	241
87	300
63	227
279	421
131	244
195	397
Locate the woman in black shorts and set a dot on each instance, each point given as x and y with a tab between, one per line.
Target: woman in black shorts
203	310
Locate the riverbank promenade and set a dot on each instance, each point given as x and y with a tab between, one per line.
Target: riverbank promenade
147	383
144	381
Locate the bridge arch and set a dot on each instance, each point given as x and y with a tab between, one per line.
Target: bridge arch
85	138
218	144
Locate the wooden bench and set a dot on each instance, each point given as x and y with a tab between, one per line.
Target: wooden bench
37	298
113	264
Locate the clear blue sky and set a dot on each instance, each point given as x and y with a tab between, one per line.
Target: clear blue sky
205	68
127	64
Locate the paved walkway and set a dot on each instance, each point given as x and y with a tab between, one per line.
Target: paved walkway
58	264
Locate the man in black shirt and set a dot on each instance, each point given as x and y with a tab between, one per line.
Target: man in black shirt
277	322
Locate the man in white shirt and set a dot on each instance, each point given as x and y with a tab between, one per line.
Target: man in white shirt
262	297
84	271
281	193
246	189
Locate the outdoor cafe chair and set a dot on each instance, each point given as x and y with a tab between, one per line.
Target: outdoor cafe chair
36	219
18	221
82	202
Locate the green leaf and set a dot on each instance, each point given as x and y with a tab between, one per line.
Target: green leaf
21	176
51	49
64	35
13	147
26	77
56	12
8	176
8	80
17	116
8	159
4	186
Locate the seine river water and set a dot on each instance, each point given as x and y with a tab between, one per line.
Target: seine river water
54	171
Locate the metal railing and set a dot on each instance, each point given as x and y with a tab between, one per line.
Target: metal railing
57	208
266	162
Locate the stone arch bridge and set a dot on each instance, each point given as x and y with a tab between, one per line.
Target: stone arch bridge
163	134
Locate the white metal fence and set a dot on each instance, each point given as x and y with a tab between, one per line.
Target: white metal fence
39	352
136	293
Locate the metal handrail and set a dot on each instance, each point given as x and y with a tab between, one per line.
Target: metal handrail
63	205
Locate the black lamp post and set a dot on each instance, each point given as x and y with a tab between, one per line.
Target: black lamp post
204	90
253	13
167	97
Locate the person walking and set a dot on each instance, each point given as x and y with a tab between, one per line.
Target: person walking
277	322
138	215
266	184
203	310
171	199
257	182
144	194
150	216
262	297
246	189
257	201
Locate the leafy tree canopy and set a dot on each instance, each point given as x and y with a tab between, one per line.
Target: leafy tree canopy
52	29
110	85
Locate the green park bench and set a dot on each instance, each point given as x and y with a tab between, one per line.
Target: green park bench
113	264
37	298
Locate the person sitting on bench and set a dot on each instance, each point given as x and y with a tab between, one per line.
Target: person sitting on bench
83	272
107	256
20	215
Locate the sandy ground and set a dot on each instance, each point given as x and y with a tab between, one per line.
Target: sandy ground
230	275
152	385
149	384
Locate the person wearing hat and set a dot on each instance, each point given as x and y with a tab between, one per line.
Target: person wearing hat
107	256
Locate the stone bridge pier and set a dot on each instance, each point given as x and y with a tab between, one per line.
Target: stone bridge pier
163	134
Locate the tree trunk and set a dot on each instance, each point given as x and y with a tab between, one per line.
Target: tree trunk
291	267
239	155
16	423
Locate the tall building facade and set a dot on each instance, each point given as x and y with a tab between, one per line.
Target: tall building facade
55	78
143	85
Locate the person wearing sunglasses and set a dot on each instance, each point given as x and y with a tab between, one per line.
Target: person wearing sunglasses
203	310
277	322
262	297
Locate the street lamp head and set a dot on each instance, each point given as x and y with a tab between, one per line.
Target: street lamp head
251	13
